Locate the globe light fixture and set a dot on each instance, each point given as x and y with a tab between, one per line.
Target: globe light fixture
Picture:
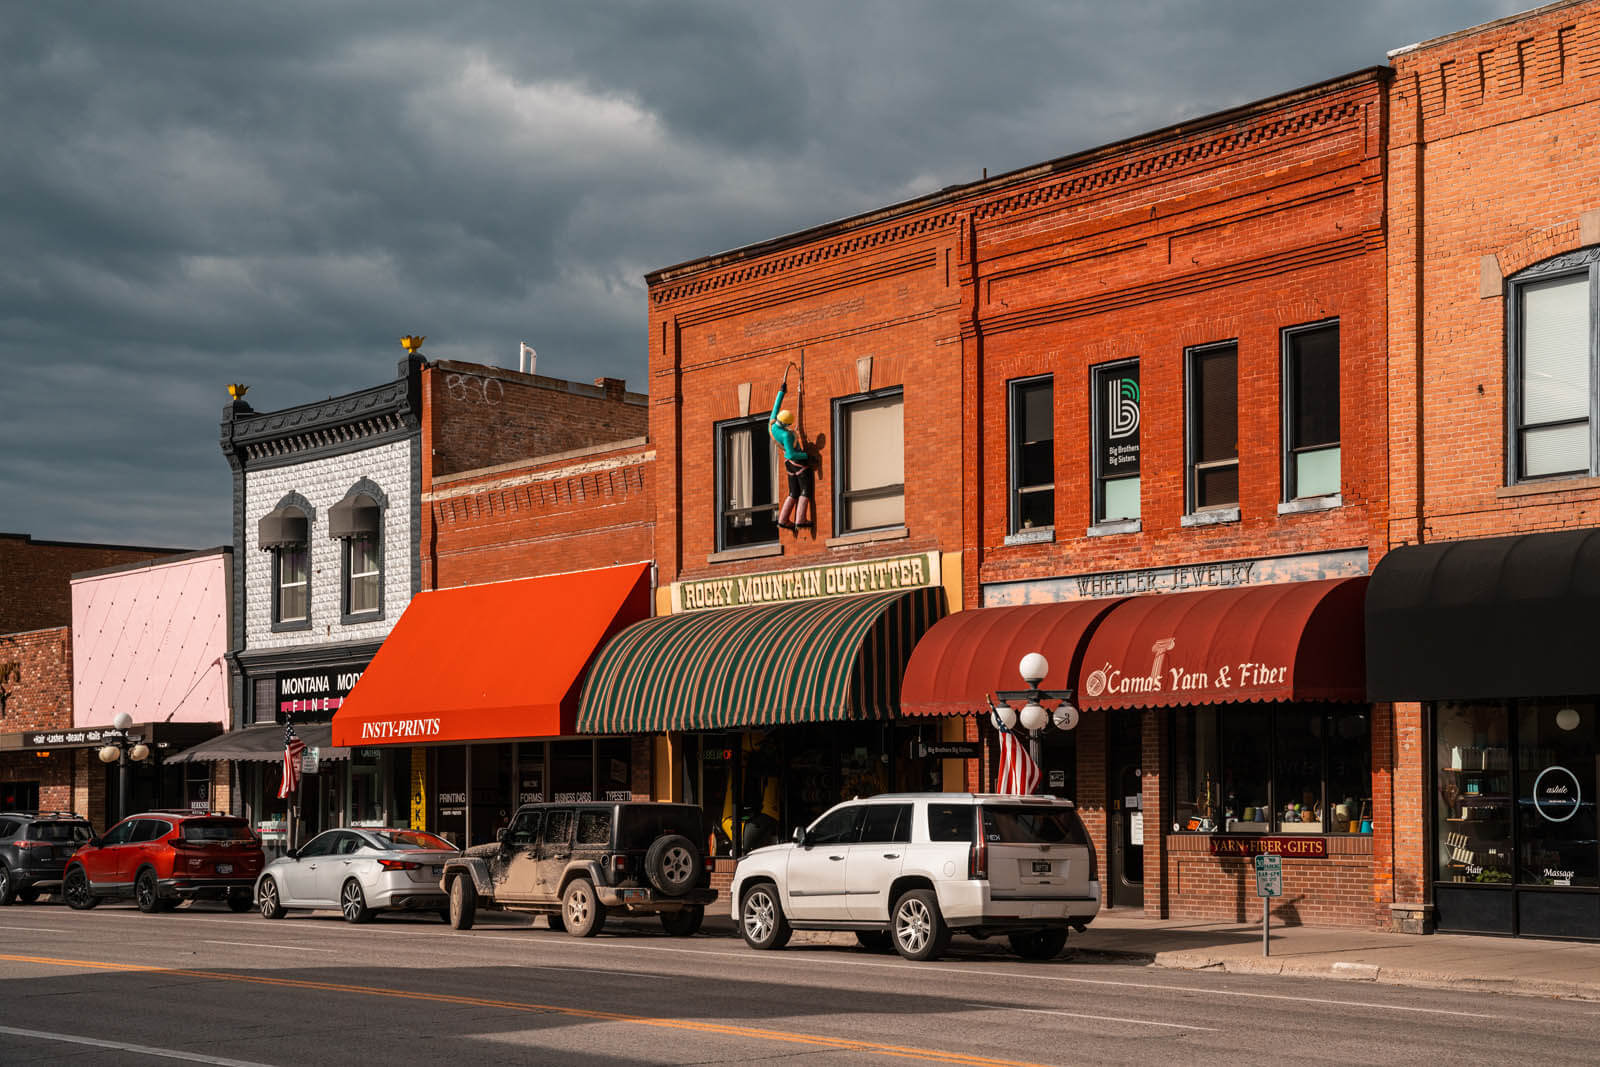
109	754
1066	716
1568	718
1033	669
1033	717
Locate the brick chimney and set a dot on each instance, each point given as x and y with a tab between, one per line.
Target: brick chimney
614	388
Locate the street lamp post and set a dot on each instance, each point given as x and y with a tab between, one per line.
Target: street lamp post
121	750
1033	717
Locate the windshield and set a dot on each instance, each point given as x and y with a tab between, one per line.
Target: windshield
1032	826
217	830
411	840
76	832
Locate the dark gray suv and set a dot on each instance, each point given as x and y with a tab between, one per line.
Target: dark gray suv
34	849
577	863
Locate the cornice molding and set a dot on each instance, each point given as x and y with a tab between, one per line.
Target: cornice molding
340	424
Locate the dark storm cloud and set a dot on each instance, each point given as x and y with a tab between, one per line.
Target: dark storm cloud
198	193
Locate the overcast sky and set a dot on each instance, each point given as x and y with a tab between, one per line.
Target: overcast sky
198	193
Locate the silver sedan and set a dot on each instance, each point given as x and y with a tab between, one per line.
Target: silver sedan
358	871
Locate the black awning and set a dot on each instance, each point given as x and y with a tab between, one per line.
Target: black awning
1492	618
262	744
355	516
280	528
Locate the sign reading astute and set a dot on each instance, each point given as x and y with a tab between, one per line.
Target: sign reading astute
808	583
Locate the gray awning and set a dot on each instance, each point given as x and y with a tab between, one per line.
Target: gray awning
262	744
281	528
354	516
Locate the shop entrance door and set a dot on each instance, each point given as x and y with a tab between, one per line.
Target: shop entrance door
1124	873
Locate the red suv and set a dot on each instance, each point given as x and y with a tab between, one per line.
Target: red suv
161	857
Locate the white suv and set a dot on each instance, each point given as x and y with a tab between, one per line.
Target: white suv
910	869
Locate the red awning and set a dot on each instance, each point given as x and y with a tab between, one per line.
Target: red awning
1294	641
972	653
486	662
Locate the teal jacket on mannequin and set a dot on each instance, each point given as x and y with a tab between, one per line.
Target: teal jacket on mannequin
787	439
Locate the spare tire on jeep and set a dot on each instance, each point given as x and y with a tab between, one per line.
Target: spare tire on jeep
672	864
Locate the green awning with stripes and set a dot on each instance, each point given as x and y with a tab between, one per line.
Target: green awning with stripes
808	661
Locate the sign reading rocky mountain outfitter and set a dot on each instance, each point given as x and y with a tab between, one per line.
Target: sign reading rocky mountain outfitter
323	689
808	583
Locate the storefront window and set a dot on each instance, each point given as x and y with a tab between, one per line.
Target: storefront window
1247	770
1474	810
530	773
366	787
450	794
1556	770
492	805
572	771
1271	769
614	767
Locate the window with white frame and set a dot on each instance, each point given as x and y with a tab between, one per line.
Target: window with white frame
1552	345
748	484
363	576
291	565
871	467
1033	478
1311	410
1115	403
1212	381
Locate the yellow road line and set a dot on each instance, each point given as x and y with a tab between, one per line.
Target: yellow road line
725	1029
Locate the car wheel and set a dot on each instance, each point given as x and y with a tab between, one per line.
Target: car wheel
239	901
146	893
918	930
8	888
353	902
683	923
27	893
76	890
672	864
761	919
1039	944
463	902
268	901
585	916
875	940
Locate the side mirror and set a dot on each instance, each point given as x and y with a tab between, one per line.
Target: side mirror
500	836
93	842
293	854
800	835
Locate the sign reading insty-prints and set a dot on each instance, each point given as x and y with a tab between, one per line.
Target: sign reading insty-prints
808	583
318	690
1117	439
1110	685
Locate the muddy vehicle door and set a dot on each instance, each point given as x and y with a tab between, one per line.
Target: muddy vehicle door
516	866
554	852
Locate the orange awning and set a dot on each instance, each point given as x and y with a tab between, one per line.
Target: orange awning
489	662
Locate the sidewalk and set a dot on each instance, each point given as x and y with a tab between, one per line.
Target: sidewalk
1437	961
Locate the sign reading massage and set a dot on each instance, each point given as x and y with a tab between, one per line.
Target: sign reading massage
808	583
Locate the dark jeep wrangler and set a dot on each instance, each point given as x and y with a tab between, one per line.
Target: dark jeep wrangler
577	862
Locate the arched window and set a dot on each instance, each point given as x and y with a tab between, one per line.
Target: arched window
285	531
1552	378
357	523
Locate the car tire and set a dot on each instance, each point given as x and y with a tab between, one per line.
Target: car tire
557	923
77	891
672	864
581	909
147	892
8	887
268	900
1038	944
463	902
239	901
917	928
353	902
27	894
684	922
761	918
875	940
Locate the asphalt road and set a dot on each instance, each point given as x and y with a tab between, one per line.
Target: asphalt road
202	985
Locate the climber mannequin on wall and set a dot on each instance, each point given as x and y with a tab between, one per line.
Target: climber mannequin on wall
796	509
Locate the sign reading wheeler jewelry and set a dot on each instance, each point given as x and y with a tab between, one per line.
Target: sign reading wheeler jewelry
1225	574
808	583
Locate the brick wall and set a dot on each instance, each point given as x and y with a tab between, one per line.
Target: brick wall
1494	154
36	674
1335	891
52	770
542	516
34	589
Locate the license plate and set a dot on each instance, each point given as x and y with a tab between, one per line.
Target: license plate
227	868
1041	866
438	871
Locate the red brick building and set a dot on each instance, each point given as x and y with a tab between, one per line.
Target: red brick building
34	589
1481	617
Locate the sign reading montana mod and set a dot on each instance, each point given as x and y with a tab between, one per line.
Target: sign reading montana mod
808	583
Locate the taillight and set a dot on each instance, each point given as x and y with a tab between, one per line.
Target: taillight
31	844
619	862
978	859
711	862
399	865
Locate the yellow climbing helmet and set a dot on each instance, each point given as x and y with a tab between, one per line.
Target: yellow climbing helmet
786	417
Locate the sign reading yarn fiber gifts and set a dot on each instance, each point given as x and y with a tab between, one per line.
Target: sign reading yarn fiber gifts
1293	846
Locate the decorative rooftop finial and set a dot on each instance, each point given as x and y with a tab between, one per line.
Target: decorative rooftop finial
411	343
237	391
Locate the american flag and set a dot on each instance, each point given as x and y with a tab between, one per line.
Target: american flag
1019	775
292	749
